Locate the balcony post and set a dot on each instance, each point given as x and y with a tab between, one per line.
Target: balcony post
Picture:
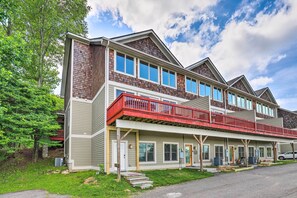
293	150
149	105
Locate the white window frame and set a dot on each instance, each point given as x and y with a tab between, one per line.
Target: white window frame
165	162
263	152
221	94
241	97
210	86
246	102
173	101
187	87
118	88
148	73
115	64
169	72
233	94
267	152
206	160
214	150
155	152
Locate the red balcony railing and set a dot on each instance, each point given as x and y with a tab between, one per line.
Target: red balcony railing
59	136
136	106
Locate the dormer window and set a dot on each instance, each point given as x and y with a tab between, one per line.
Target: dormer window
249	104
124	64
231	99
148	72
241	102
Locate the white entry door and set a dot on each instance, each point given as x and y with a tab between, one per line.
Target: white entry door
124	156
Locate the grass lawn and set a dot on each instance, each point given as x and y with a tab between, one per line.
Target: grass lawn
36	176
40	176
284	162
175	176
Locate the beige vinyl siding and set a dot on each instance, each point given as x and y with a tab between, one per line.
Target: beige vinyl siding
278	122
81	151
98	112
98	149
199	103
131	138
66	149
246	114
67	122
81	118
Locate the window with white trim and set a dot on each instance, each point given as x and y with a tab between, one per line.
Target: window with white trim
241	101
170	152
148	72
271	112
125	64
205	152
147	152
269	151
191	85
168	78
217	94
204	89
249	104
118	92
259	107
231	99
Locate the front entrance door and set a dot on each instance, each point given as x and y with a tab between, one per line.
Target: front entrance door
188	154
124	156
231	154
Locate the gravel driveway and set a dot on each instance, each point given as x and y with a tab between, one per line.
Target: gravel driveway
277	181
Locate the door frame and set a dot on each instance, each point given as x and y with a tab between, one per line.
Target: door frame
112	151
233	160
192	155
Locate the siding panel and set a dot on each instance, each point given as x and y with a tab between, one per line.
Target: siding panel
81	151
81	118
98	149
98	112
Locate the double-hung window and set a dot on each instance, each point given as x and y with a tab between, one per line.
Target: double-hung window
231	99
271	113
148	72
125	64
261	149
204	89
147	152
170	152
241	102
168	78
217	94
205	152
259	107
191	85
249	105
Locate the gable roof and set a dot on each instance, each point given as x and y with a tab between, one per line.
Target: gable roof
154	37
260	93
211	66
245	82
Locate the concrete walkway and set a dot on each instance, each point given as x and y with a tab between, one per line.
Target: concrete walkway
272	182
32	194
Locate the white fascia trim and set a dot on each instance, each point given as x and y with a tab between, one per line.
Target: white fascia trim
88	136
70	104
106	98
191	131
153	93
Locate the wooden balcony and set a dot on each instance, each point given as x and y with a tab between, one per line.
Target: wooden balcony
59	136
137	108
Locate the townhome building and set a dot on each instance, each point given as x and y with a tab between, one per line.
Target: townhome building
130	103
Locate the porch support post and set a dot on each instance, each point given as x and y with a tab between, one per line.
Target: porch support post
107	168
127	133
293	150
200	142
246	142
119	153
137	150
274	151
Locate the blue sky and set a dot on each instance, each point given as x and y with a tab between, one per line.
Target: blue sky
256	38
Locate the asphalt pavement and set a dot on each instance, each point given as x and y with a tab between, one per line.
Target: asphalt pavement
270	182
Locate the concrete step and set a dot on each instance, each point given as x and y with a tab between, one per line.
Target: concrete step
140	183
131	174
137	178
146	186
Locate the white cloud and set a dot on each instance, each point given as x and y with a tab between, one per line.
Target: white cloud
253	46
167	18
287	103
260	82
